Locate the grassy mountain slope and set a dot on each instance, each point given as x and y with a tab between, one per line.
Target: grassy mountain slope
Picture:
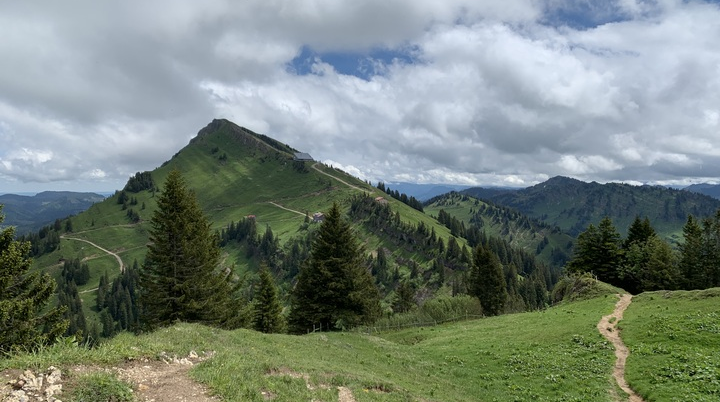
674	338
548	243
234	173
572	204
30	213
551	355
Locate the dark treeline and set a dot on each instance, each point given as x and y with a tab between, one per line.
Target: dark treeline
526	282
47	239
284	262
73	274
645	262
507	253
507	218
410	201
141	181
116	301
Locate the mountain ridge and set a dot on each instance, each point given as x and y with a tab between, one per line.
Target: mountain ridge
573	204
30	213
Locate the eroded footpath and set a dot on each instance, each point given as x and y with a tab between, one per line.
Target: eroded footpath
608	328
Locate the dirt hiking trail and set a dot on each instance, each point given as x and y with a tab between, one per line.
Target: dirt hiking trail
607	327
117	257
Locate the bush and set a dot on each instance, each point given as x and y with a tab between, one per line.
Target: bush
433	312
580	287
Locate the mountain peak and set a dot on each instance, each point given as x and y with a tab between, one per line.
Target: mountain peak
558	181
243	135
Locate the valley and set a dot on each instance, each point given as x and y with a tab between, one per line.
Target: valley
546	343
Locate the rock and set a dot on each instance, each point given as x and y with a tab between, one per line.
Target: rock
18	396
32	383
52	390
18	384
54	375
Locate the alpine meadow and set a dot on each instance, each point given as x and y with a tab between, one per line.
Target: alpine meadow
243	270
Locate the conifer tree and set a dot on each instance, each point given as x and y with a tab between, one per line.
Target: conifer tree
691	256
25	322
181	279
639	231
598	251
404	299
335	289
488	281
268	310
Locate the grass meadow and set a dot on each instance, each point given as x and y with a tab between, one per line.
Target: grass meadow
674	342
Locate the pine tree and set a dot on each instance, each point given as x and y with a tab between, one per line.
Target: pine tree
180	280
598	251
488	281
639	231
691	256
268	310
24	320
335	289
404	299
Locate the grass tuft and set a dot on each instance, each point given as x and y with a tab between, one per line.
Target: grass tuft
101	387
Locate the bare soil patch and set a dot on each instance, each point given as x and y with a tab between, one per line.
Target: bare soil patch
608	328
164	380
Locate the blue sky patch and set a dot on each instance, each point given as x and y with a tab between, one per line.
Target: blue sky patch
589	14
583	15
363	65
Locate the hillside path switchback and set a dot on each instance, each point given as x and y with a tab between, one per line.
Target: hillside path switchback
286	208
117	257
608	328
315	166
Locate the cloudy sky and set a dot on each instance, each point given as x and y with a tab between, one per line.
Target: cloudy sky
474	92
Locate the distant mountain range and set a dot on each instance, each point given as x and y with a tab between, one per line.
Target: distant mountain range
712	190
30	213
572	204
424	192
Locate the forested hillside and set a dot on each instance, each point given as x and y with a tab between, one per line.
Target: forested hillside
572	204
266	208
548	243
712	190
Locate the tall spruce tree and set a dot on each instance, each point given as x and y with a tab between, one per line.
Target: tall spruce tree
598	251
181	279
692	260
640	231
488	281
25	322
335	289
268	316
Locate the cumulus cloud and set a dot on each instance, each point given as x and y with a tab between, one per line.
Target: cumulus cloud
480	93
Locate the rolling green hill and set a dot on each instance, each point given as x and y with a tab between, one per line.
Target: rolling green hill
237	174
551	355
549	243
572	204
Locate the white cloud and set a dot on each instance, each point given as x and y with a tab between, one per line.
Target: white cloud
497	92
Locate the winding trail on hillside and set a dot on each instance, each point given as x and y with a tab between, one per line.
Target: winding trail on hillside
117	257
608	328
285	208
315	166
